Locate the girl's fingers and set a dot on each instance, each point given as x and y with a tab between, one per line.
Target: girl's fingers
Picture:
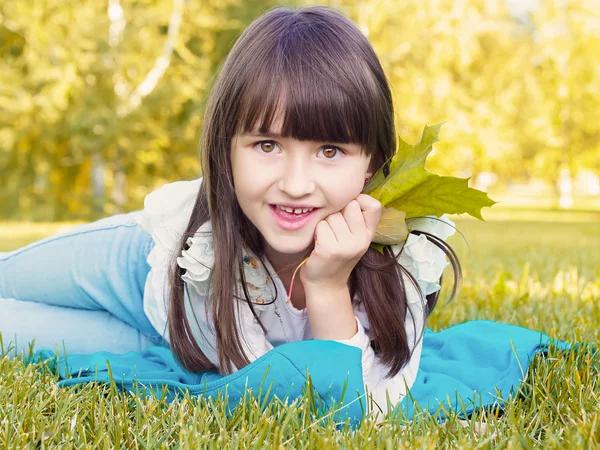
323	234
339	227
359	214
371	209
354	218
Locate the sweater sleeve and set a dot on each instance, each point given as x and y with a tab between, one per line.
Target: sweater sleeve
377	386
426	263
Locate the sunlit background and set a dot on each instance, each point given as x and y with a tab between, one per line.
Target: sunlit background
102	102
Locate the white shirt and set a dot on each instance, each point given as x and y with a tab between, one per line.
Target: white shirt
165	215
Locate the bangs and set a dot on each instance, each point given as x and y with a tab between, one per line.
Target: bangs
318	99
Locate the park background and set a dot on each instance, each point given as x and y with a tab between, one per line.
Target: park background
102	101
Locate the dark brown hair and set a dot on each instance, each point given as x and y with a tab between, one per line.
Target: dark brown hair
322	72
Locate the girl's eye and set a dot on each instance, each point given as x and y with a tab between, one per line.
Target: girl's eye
329	152
266	146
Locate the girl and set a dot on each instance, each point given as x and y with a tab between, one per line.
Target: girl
298	120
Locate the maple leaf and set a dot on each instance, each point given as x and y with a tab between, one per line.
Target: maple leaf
391	228
415	192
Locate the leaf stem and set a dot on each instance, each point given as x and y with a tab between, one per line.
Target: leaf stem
294	276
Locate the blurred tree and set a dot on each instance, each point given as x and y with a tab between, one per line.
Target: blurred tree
519	92
101	93
563	98
101	101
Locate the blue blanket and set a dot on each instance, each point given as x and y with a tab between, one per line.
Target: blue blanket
476	364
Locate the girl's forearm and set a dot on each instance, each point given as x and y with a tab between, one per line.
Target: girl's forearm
330	312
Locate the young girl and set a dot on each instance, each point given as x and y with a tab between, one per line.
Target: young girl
298	120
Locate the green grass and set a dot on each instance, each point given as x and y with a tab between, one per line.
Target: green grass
539	270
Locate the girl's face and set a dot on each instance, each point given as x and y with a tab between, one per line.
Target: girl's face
269	170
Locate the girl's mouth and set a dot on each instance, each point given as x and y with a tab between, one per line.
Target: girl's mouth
291	221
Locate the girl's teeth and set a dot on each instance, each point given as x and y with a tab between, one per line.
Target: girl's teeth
295	211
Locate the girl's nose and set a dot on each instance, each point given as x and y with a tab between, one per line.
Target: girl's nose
297	181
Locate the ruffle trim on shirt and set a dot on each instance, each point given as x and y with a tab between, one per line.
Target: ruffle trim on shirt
166	213
424	260
199	259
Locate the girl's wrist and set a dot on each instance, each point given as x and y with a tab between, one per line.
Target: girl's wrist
319	289
330	311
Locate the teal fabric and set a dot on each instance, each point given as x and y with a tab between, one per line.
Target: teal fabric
476	364
333	368
473	365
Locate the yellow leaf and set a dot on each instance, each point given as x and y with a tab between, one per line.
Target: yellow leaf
392	227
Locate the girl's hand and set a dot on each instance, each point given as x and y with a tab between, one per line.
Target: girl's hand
341	239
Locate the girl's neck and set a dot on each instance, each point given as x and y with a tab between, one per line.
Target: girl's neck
283	263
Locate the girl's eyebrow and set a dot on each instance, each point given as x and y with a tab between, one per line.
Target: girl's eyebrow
259	134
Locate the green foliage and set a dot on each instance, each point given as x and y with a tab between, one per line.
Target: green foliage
414	192
519	94
412	189
84	132
517	91
391	228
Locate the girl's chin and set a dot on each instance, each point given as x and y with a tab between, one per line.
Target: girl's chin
293	246
295	250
